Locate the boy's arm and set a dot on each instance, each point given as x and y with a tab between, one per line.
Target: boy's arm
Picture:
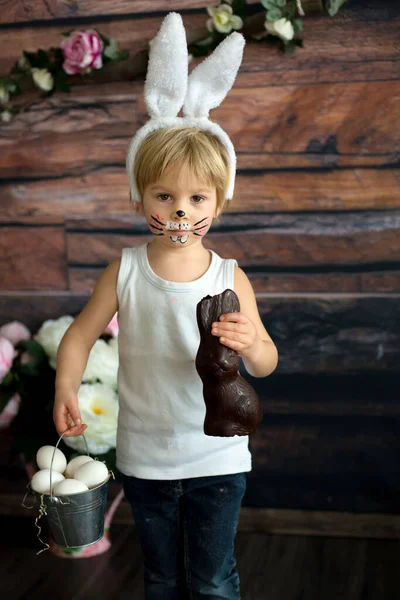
75	346
245	332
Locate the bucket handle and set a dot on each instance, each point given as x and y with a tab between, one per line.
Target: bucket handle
52	459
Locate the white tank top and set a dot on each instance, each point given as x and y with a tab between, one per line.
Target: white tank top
161	415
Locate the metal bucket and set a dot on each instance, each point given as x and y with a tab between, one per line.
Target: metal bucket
76	520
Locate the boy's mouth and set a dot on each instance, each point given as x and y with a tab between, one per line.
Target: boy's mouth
181	230
178	227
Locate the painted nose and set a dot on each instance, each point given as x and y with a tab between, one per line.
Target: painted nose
180	213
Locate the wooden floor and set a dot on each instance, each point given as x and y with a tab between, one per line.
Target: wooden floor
271	567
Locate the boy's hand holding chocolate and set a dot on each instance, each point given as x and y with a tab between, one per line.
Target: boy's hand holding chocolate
238	332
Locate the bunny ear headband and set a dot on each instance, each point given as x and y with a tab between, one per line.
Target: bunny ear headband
168	89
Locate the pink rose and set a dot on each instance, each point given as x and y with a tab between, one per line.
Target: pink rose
9	411
15	332
82	50
112	328
7	354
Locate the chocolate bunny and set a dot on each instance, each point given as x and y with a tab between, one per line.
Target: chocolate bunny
232	405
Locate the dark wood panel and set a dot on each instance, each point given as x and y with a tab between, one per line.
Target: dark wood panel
321	153
33	308
83	279
33	258
338	333
334	463
348	395
31	220
295	254
315	334
15	11
305	127
276	241
356	118
104	190
376	494
325	281
334	448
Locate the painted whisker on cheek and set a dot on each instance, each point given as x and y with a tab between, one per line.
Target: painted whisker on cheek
157	220
201	220
154	227
202	230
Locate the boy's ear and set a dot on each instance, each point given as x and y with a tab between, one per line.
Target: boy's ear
218	211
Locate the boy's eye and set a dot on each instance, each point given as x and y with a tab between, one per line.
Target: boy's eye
197	199
163	196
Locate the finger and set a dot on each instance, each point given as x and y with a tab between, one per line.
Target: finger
75	415
223	328
233	344
235	317
60	422
61	425
75	430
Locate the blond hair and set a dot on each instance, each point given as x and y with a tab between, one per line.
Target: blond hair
189	147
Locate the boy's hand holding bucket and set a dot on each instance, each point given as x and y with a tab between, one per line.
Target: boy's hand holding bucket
66	413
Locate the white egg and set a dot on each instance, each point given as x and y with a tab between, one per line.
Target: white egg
69	486
40	482
92	473
44	456
76	462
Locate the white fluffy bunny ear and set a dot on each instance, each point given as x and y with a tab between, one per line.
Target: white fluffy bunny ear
167	72
212	79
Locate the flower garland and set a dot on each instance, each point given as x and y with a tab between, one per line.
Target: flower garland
78	54
82	52
282	23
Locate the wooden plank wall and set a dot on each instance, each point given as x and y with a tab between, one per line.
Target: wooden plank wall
315	224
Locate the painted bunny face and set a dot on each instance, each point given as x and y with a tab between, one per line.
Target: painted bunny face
168	88
178	208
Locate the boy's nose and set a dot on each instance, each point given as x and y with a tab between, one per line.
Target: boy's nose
180	213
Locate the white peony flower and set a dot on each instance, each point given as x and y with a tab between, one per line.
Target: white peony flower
43	79
103	363
50	335
5	116
4	95
223	19
282	28
98	404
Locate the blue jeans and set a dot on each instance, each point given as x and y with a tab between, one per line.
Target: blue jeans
187	529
